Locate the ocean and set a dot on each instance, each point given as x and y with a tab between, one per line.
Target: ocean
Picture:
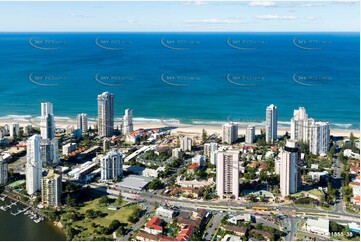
196	78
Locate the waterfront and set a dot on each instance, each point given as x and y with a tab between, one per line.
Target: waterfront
209	96
30	231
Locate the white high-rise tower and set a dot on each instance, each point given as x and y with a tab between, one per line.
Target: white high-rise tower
228	174
82	122
128	121
111	166
300	125
47	125
105	114
289	162
319	138
229	132
33	165
271	123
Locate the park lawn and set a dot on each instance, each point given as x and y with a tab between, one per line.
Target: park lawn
121	215
316	192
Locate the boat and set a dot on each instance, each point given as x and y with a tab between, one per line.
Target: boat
3	208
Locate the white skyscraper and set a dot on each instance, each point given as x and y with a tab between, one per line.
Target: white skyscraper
229	132
13	130
3	171
49	151
209	148
33	164
52	189
271	123
250	134
186	144
47	125
105	114
228	174
128	121
289	161
82	122
111	166
300	125
319	138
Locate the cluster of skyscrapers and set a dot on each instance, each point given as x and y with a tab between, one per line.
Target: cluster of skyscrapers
303	129
106	116
42	150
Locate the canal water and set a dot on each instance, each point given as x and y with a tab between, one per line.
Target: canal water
21	227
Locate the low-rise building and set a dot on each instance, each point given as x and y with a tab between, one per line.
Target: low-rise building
144	236
319	226
199	159
153	226
177	153
68	148
165	212
230	237
240	231
317	176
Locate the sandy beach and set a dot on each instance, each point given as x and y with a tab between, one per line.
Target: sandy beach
178	128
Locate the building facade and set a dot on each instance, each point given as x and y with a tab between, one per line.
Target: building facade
300	125
271	123
209	148
33	165
319	138
3	171
105	114
290	157
52	189
228	174
229	132
14	130
128	121
186	144
111	166
250	134
82	122
47	124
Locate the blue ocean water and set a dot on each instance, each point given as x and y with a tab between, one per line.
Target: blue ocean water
193	77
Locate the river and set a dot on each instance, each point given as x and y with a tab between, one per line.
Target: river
21	227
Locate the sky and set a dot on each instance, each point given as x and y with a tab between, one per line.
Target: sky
191	16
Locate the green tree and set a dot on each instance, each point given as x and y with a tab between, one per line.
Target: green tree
70	233
103	200
119	200
204	135
155	184
114	225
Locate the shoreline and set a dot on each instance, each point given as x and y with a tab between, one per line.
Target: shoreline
180	128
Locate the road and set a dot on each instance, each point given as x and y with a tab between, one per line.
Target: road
138	224
214	225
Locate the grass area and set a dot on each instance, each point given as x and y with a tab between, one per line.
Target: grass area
327	208
314	192
88	226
